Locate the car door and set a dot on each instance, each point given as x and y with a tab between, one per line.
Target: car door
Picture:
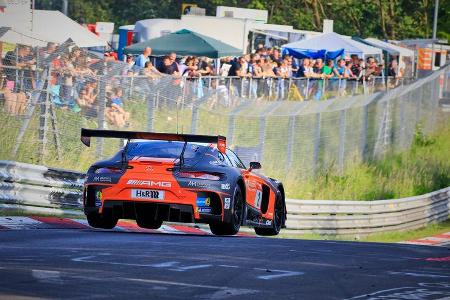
252	182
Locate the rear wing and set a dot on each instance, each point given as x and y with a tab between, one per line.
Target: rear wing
86	135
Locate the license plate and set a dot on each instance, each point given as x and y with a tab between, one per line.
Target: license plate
147	194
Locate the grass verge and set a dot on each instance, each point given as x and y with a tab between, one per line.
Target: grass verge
424	168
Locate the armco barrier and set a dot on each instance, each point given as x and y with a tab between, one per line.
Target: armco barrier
38	189
367	217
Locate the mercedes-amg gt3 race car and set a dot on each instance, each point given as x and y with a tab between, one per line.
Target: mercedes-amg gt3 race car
159	177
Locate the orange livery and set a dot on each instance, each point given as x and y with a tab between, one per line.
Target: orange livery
159	177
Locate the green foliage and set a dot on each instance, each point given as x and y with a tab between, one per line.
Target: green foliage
422	169
392	19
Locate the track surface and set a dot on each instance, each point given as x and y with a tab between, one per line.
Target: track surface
88	264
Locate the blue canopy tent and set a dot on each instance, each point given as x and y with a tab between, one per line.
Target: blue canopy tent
329	45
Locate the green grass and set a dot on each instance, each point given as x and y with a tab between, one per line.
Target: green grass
422	169
389	237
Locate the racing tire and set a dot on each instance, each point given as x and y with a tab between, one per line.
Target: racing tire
103	221
149	224
234	225
277	219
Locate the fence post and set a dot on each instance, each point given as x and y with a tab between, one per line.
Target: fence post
101	112
342	138
316	143
231	128
151	105
365	127
194	119
291	140
307	89
262	133
44	105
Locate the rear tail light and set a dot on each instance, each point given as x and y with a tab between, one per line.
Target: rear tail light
199	175
108	170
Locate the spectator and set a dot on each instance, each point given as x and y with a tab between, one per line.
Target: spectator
150	71
236	67
355	68
190	69
318	67
131	65
393	69
305	70
114	112
348	73
329	70
283	69
340	69
168	66
144	57
276	56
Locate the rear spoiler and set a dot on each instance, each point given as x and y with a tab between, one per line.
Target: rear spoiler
220	140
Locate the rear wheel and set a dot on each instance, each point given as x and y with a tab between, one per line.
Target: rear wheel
277	221
105	221
149	224
234	225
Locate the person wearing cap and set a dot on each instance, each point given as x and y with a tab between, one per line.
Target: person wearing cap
131	65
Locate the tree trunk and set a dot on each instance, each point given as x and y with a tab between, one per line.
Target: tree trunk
316	14
382	19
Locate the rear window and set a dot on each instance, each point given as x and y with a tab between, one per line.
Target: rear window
165	149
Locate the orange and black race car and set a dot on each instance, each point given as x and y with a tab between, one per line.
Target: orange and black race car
160	177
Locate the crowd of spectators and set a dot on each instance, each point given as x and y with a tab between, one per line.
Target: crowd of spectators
74	74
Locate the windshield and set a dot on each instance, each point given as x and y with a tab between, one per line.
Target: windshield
165	149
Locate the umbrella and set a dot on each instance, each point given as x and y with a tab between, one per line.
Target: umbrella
185	42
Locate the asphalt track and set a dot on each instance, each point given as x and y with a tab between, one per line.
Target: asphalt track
88	264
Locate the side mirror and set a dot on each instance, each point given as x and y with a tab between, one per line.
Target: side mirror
254	165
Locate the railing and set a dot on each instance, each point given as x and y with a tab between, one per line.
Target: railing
37	189
272	88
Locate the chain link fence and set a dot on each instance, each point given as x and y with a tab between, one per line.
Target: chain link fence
44	105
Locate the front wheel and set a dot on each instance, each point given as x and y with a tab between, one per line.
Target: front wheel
278	216
234	225
104	221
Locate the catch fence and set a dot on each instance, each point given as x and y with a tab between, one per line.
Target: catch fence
44	107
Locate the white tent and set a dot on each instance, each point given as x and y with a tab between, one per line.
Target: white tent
403	51
332	42
9	35
54	26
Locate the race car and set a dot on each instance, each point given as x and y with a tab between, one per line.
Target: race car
159	177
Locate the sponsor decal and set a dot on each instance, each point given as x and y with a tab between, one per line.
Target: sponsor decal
197	184
258	199
98	198
268	222
149	183
215	162
149	169
102	179
204	210
227	203
225	186
203	201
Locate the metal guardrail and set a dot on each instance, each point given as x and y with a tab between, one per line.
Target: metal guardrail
38	189
329	217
